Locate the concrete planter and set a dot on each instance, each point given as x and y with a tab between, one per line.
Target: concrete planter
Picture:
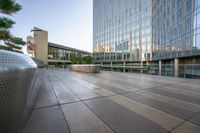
88	68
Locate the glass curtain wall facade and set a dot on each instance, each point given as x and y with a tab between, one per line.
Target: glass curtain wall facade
59	53
175	28
145	30
122	30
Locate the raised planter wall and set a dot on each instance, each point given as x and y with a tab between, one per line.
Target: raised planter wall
85	68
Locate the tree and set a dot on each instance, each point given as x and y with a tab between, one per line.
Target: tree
74	59
87	60
9	7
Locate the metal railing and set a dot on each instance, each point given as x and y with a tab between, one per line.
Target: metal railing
189	70
20	81
184	70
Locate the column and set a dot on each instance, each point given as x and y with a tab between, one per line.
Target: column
193	60
141	67
124	65
111	66
176	67
160	67
69	57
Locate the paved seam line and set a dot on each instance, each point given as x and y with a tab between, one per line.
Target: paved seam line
37	108
187	120
60	106
99	117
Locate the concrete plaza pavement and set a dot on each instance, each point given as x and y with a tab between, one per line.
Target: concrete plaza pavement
112	102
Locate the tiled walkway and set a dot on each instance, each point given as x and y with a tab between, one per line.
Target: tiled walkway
115	102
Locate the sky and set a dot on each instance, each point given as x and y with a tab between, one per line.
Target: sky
68	22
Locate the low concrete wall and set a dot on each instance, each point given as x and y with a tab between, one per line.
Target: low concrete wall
85	68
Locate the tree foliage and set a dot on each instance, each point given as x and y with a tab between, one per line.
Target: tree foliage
87	60
4	34
75	59
78	60
9	7
17	40
14	42
6	23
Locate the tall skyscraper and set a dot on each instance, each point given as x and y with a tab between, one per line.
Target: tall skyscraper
146	30
122	30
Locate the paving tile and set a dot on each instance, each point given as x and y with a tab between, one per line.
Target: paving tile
85	83
46	97
177	95
84	94
187	127
131	77
104	92
121	119
46	120
170	100
82	120
136	84
163	106
122	85
196	119
181	90
95	88
113	89
81	91
126	86
163	119
192	85
108	87
64	95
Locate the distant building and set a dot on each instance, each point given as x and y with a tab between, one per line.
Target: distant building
62	54
51	53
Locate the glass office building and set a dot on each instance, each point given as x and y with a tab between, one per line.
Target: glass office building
146	30
175	29
122	30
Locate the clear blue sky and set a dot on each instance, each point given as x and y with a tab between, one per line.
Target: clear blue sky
68	22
